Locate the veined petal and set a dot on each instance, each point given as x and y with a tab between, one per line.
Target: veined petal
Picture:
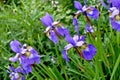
78	5
53	37
93	13
15	46
89	52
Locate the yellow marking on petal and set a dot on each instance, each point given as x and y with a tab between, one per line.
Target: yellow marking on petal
110	14
84	46
76	16
28	54
48	34
117	17
28	47
89	11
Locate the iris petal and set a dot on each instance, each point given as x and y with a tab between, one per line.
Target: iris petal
15	46
78	5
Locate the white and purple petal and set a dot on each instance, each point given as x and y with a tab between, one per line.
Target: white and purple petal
53	37
89	28
93	13
15	46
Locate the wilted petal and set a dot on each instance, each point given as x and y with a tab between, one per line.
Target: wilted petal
15	46
89	52
78	5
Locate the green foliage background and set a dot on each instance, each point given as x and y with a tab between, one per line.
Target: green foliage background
20	20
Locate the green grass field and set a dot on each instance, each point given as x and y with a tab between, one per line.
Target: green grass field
20	20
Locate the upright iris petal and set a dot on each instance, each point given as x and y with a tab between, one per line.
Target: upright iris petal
78	5
75	22
47	20
15	46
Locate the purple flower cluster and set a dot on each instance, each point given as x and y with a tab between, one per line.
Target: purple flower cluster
26	55
16	74
55	30
114	11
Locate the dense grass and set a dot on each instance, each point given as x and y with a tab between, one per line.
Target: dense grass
20	20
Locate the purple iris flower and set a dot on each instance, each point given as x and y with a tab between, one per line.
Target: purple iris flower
86	10
88	51
114	11
89	28
25	54
115	18
16	74
54	30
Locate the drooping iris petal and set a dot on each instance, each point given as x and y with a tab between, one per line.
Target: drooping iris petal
69	39
94	13
65	56
47	20
15	46
75	22
53	37
89	28
115	24
61	30
89	52
15	58
78	5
